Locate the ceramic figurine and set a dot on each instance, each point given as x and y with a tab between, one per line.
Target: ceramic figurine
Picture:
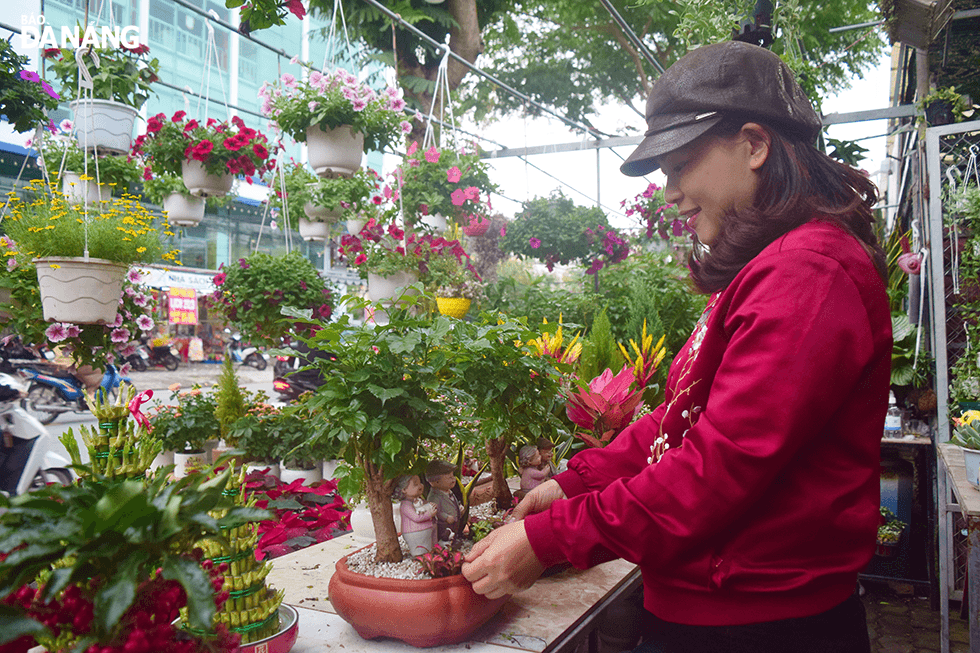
547	450
529	460
440	475
418	521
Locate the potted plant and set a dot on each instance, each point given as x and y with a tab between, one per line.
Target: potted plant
84	177
185	425
253	434
81	257
25	98
439	185
943	106
889	533
122	79
966	436
337	116
116	559
315	204
453	280
207	156
251	293
299	459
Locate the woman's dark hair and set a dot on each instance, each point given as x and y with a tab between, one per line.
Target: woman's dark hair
797	183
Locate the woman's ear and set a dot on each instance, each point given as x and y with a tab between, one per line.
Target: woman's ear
759	140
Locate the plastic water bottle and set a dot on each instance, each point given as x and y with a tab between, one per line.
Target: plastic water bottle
893	418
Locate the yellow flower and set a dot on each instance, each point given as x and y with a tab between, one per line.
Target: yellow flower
970	416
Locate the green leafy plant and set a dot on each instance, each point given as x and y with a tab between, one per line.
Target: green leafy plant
890	530
446	181
965	433
385	250
262	14
25	98
188	422
115	559
62	153
948	95
229	400
331	99
157	187
221	147
345	195
125	74
251	293
256	433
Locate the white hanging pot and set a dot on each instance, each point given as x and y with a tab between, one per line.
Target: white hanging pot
290	474
78	192
380	288
104	124
162	459
314	230
203	184
434	222
187	461
337	150
354	226
183	210
78	290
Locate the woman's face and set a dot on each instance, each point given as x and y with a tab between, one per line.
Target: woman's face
713	175
414	488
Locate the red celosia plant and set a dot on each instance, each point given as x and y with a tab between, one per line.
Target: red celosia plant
221	147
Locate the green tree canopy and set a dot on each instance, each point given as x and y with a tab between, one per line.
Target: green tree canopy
552	229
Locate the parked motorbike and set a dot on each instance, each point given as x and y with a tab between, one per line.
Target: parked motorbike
162	356
245	355
290	380
53	393
28	453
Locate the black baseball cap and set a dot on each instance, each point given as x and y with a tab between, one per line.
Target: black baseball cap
713	81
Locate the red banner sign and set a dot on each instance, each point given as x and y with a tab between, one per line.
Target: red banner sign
183	306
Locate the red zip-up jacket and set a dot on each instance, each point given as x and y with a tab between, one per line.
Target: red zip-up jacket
765	504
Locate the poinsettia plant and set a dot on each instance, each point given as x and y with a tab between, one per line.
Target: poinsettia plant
221	147
447	181
332	99
251	293
124	74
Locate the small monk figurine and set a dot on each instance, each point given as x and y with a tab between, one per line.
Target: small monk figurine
529	460
418	522
441	477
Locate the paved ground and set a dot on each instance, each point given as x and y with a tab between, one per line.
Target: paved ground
898	621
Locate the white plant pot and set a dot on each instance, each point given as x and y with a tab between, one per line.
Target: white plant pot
104	125
184	461
380	288
335	150
258	467
183	210
363	526
86	192
354	226
434	222
288	474
79	290
163	459
328	468
314	230
202	184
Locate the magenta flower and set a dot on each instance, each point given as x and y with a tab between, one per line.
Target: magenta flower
405	126
453	175
910	263
358	104
50	91
120	335
127	350
30	76
360	259
144	322
219	278
458	196
56	332
133	276
432	155
534	242
73	330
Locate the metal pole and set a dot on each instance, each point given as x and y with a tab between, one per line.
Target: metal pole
631	35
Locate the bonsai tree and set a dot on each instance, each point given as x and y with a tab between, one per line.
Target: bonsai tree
377	407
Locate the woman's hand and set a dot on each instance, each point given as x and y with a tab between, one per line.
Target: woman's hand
503	562
539	499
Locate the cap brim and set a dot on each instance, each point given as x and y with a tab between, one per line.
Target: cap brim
645	158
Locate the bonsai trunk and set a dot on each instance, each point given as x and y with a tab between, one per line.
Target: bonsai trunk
378	492
497	451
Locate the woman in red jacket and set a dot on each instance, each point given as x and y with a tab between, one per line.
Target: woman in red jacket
749	498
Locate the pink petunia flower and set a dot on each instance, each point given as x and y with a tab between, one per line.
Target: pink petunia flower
144	322
534	242
134	276
73	330
120	335
453	175
405	126
412	148
458	196
56	332
432	155
910	263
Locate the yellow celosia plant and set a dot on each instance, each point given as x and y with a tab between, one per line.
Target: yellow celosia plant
553	345
648	356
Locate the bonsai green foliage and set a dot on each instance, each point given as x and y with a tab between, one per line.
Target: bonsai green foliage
891	527
107	540
229	400
251	293
25	98
599	350
188	422
552	229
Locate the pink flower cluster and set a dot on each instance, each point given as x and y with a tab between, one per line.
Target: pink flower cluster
359	95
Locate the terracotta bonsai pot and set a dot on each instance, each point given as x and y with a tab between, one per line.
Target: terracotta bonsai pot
424	612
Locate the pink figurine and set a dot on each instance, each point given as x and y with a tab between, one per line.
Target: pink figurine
418	523
529	460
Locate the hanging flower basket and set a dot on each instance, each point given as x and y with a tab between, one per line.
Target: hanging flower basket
77	191
354	226
456	307
78	290
477	226
199	182
104	125
380	288
314	230
183	210
321	213
435	222
338	150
